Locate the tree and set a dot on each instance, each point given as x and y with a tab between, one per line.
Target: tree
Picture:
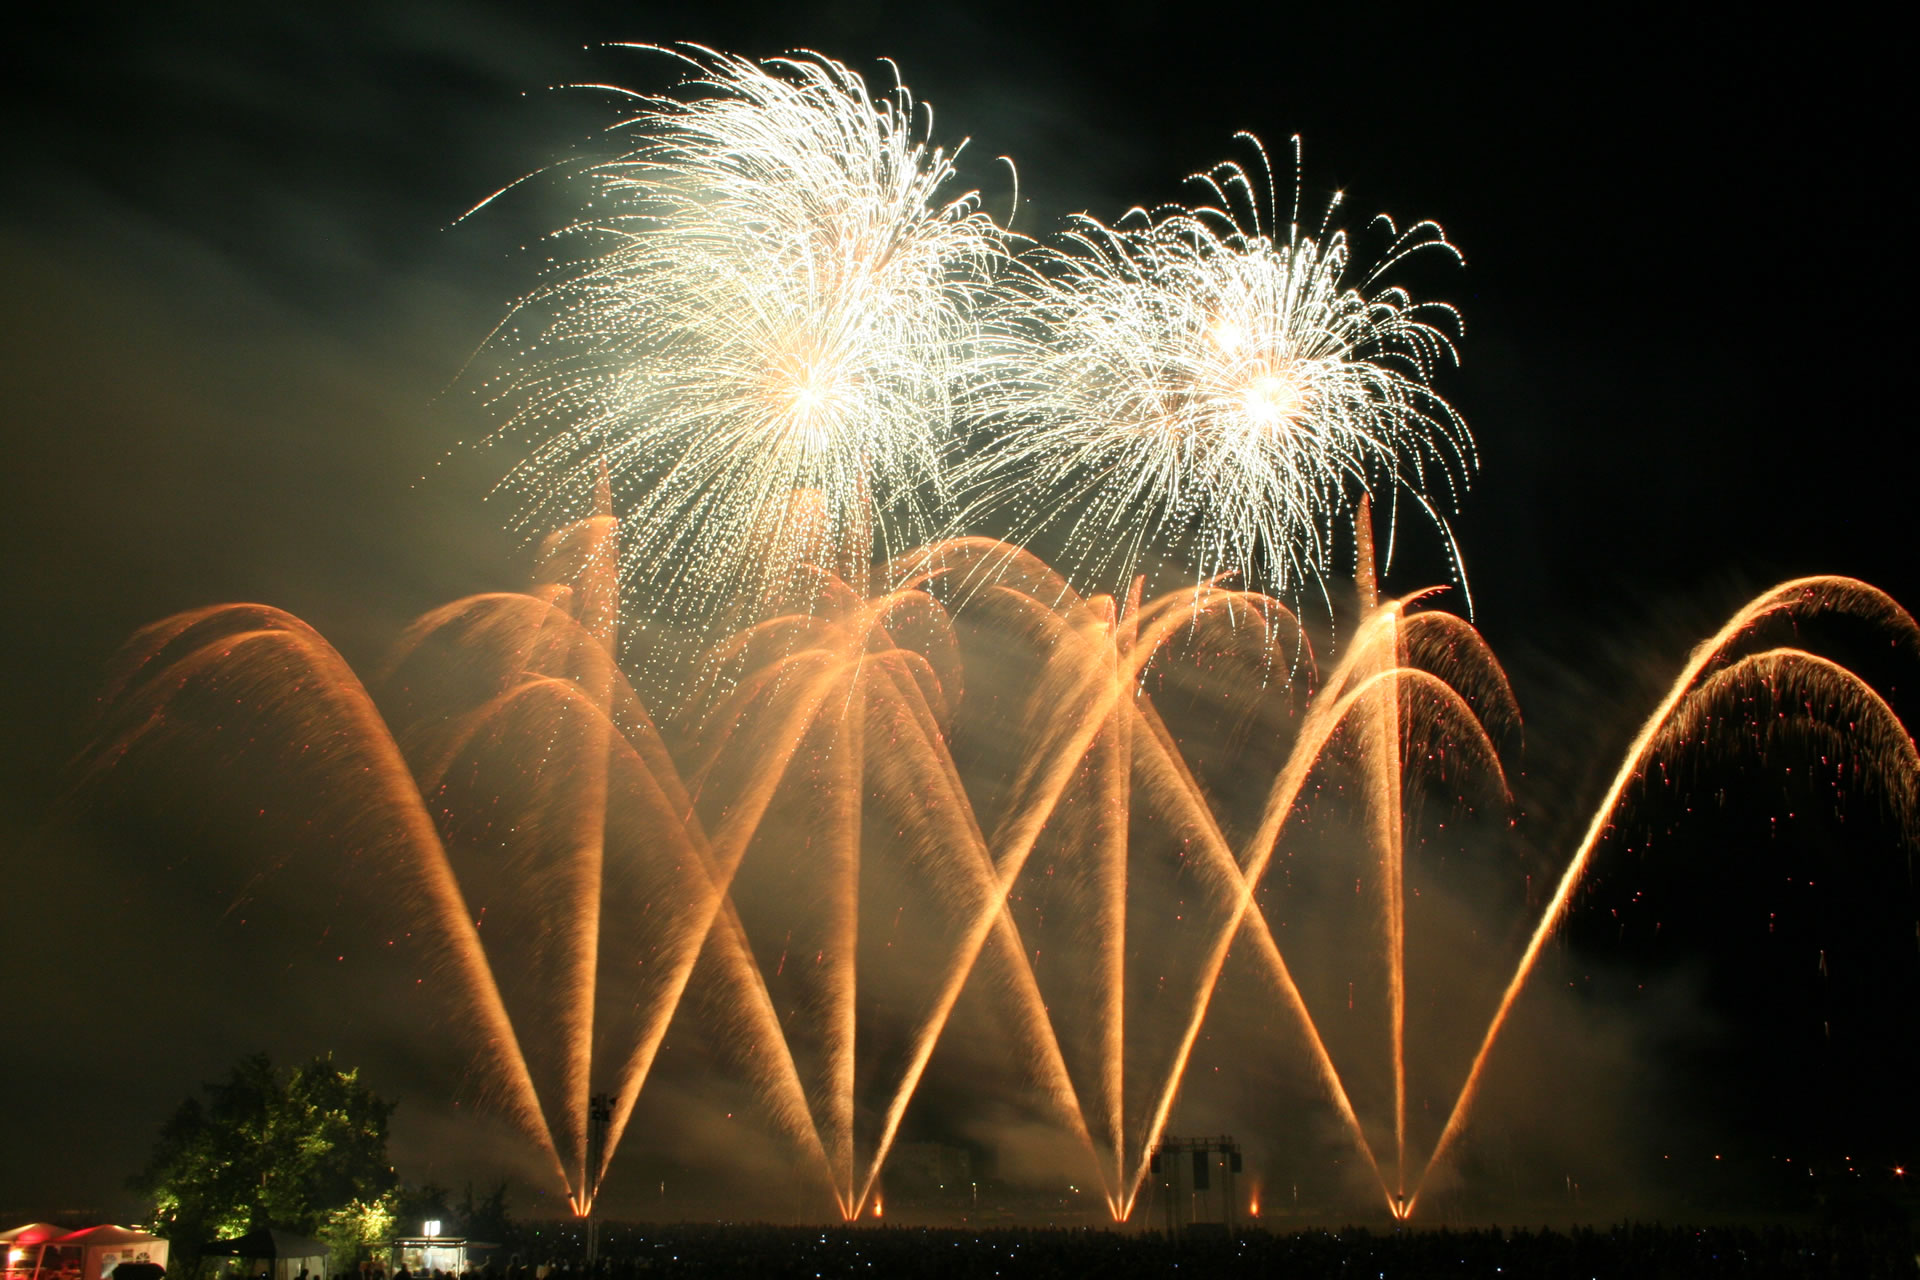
304	1151
486	1218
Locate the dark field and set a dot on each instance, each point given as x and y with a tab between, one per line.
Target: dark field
1862	1251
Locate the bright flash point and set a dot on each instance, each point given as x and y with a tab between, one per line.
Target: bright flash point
1273	400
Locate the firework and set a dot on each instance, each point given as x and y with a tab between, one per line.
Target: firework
1197	380
760	326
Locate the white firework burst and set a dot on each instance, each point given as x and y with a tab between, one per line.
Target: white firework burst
1198	381
760	327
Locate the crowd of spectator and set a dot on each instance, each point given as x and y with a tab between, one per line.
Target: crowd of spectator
1639	1251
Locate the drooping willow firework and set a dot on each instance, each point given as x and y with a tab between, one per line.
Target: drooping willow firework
1200	381
759	328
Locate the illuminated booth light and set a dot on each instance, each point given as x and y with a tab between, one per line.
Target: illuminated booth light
431	1251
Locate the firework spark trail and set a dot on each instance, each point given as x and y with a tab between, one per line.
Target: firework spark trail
842	961
1822	593
565	699
726	942
1383	784
781	1081
597	591
795	643
840	679
549	650
736	829
1162	758
662	795
579	649
1042	781
1092	642
1112	762
1015	841
688	843
728	946
1029	1003
1097	643
531	631
585	663
506	638
396	798
1200	378
849	638
1323	717
772	291
1286	788
1448	646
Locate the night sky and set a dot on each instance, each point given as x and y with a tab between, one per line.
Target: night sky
236	310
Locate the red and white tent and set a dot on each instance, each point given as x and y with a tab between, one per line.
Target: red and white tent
42	1251
105	1247
26	1245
